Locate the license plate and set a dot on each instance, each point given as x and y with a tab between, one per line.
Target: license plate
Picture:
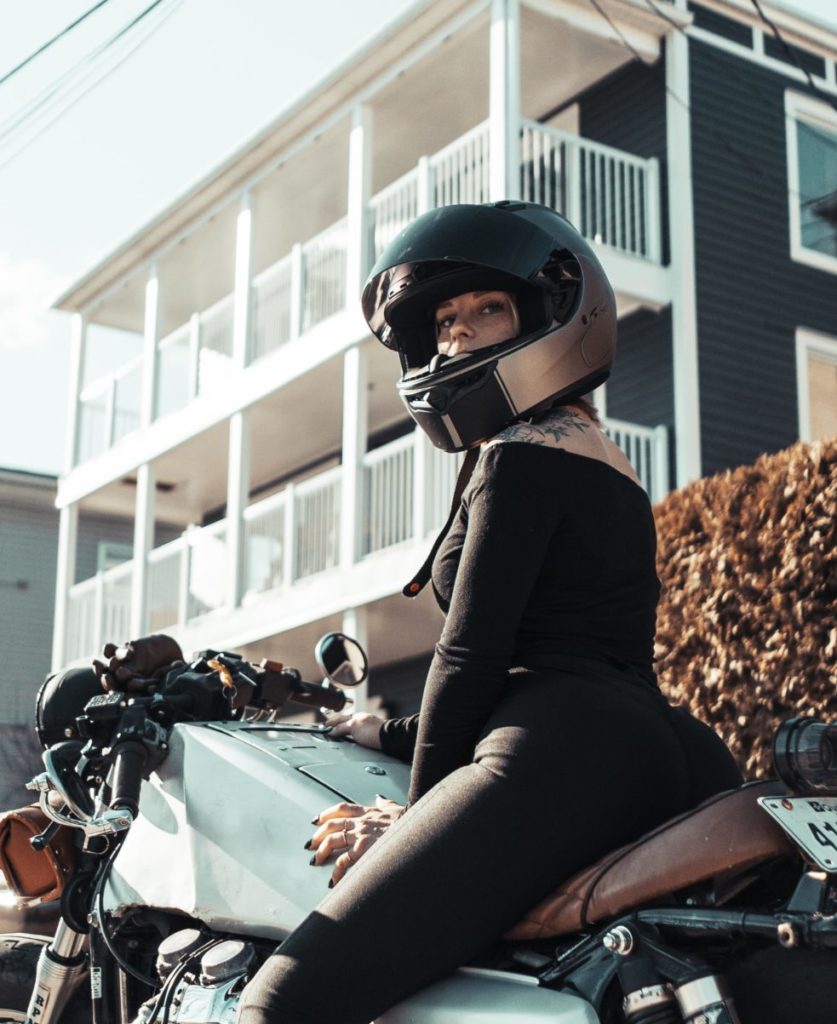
811	822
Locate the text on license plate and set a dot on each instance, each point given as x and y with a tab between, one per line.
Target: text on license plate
811	822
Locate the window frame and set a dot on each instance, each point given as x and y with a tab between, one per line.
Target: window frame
809	342
801	107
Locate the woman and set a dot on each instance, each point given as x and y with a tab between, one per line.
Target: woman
543	740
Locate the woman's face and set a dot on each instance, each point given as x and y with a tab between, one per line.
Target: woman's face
475	320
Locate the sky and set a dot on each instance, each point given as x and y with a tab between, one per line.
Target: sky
80	171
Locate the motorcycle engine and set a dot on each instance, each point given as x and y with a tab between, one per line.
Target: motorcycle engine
202	979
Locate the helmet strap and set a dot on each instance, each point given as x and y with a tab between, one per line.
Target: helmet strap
419	581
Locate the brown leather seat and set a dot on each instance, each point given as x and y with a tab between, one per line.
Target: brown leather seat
726	834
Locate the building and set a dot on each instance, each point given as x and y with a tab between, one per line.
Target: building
226	393
28	554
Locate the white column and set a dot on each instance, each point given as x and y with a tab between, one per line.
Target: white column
424	189
358	262
78	342
355	428
355	626
148	395
297	313
682	262
504	100
65	576
238	492
241	300
143	543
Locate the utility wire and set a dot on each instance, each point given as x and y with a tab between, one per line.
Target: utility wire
752	166
49	42
791	52
82	86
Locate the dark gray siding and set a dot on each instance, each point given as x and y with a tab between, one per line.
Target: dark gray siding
28	553
751	296
628	110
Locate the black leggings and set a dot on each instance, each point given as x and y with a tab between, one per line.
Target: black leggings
572	764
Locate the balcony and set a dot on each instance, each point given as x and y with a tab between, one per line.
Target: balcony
612	196
293	535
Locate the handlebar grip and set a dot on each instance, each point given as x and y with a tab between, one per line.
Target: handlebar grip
128	763
319	696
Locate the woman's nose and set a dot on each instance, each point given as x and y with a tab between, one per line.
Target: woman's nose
461	330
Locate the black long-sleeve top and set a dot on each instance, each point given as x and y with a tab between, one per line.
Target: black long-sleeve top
551	554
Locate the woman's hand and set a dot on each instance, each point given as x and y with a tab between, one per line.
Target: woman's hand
346	831
363	728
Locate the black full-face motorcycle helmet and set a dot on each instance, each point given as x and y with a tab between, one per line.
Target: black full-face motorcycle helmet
565	303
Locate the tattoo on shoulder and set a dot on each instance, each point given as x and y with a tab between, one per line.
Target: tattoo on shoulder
556	424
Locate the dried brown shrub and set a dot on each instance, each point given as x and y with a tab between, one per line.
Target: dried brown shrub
747	623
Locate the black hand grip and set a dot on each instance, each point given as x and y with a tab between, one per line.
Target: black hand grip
319	696
128	763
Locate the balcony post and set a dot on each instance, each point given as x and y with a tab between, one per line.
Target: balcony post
148	387
65	574
355	626
110	411
653	198
143	542
238	492
660	486
194	354
358	253
420	483
99	614
184	578
288	537
297	285
504	100
684	341
242	293
355	429
424	185
78	345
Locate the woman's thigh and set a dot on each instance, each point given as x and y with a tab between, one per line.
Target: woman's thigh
470	857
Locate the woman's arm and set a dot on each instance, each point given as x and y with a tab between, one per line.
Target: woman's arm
514	507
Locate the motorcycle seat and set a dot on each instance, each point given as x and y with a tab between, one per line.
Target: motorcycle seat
723	836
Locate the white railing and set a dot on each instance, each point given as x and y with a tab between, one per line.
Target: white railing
187	577
177	363
109	409
647	450
391	210
324	275
271	309
99	611
388	495
460	171
316	521
294	534
215	341
612	197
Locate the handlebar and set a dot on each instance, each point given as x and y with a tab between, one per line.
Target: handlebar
128	762
319	696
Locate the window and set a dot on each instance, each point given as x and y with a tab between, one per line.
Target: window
816	380
812	180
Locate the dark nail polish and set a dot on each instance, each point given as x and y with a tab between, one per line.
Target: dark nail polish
331	883
307	845
315	821
313	860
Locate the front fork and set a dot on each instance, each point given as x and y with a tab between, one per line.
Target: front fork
61	967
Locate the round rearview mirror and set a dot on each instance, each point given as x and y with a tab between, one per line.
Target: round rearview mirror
342	659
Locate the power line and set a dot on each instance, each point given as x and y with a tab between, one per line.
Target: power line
791	52
70	87
49	42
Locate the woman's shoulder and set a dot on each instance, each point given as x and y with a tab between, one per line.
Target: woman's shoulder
565	429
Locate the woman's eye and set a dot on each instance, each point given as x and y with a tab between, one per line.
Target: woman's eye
493	307
444	324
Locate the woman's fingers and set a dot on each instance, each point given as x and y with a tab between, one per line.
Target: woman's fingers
353	854
341	810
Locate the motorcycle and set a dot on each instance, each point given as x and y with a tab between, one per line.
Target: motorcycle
172	814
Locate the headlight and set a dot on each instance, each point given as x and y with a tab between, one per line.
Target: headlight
805	755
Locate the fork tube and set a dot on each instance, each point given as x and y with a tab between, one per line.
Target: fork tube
61	966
